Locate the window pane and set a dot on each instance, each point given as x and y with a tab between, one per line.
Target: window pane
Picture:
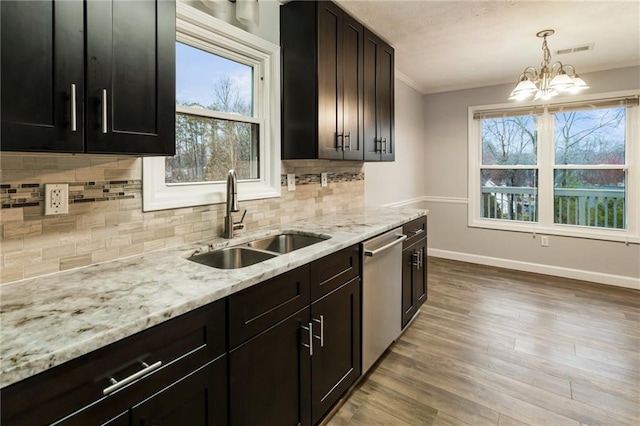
590	136
509	194
509	140
212	82
590	198
207	148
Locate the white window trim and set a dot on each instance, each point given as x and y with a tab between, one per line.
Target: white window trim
196	27
545	225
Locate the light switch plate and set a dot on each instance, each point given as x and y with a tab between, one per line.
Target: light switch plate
291	181
323	180
56	198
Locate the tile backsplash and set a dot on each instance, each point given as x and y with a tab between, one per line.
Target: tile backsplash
106	221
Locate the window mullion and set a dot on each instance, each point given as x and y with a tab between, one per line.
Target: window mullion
546	154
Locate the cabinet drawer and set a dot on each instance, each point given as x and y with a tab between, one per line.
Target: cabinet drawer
256	308
415	230
333	270
181	345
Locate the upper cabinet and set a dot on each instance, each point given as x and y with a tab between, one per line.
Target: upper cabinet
95	77
324	79
379	144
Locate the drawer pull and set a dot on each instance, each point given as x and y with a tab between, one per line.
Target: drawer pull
417	231
115	384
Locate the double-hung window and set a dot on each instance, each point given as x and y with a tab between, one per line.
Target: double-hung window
227	117
563	168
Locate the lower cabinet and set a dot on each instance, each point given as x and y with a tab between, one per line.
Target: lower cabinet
270	376
414	268
335	363
298	365
172	374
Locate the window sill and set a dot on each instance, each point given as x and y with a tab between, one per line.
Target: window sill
572	231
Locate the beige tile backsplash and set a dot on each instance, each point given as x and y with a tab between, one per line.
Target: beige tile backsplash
106	221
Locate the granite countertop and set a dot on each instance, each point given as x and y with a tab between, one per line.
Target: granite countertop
48	320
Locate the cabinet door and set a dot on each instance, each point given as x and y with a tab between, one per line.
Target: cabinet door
335	364
352	77
199	399
372	143
420	277
42	65
385	93
270	374
409	260
330	107
131	76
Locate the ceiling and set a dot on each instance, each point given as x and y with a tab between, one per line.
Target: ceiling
451	44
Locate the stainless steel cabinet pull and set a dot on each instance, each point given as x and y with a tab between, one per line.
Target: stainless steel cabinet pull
310	345
339	146
347	136
420	259
415	259
74	119
371	253
417	231
104	110
378	141
321	336
384	145
115	384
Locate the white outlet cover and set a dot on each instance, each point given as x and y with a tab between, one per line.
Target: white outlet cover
323	180
291	181
56	198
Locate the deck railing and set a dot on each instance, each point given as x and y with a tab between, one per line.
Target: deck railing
602	208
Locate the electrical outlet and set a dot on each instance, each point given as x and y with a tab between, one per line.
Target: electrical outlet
56	198
323	180
291	181
544	240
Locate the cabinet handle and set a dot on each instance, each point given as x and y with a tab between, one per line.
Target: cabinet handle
115	384
310	345
338	145
420	259
347	136
416	231
415	261
384	145
321	336
104	110
378	141
74	121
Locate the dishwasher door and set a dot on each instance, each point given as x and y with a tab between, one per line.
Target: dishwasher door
381	294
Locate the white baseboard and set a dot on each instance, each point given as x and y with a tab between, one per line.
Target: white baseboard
558	271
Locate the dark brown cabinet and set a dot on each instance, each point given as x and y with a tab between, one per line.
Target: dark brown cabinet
172	374
323	75
335	364
95	76
295	343
414	268
379	143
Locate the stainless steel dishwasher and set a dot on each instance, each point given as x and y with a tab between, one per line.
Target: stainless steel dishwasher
381	294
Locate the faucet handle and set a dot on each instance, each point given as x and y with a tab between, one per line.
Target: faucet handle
243	215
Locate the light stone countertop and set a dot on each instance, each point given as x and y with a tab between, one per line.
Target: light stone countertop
48	320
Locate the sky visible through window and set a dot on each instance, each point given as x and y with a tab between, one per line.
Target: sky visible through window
198	72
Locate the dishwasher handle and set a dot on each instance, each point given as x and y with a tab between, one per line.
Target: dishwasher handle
371	253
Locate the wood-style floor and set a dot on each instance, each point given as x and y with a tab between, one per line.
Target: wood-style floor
501	347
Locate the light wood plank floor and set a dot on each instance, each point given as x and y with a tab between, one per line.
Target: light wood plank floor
500	347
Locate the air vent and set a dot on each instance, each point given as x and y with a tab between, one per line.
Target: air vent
582	48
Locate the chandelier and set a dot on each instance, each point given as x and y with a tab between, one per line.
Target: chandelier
550	80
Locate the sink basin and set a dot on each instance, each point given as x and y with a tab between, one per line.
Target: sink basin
232	257
285	243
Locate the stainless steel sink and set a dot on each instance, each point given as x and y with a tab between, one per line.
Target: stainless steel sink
232	257
285	243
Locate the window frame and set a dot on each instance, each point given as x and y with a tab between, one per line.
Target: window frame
203	31
546	166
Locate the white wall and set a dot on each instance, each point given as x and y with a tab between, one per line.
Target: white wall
446	198
404	179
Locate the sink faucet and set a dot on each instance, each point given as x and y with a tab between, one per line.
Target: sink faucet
232	206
